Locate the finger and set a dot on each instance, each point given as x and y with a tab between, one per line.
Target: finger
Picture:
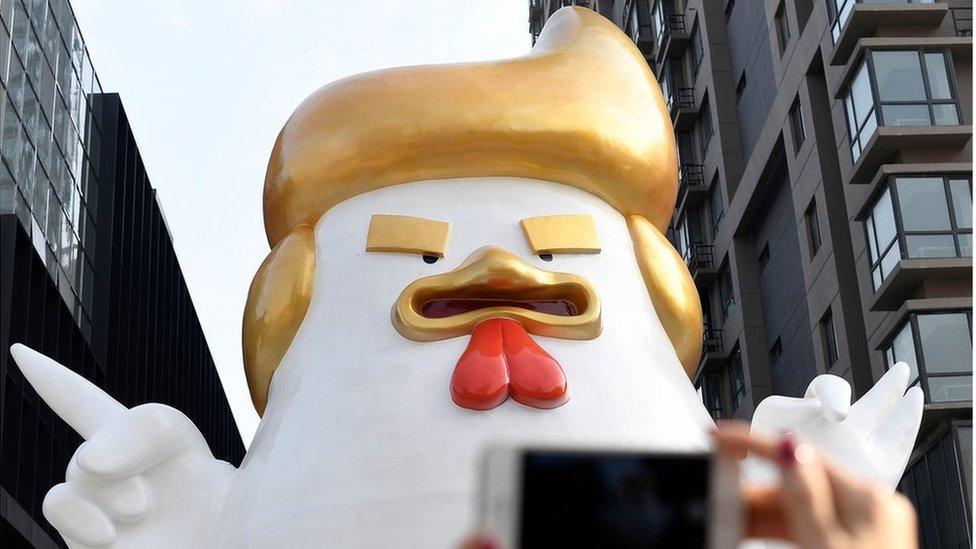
125	500
895	438
735	440
146	436
808	502
76	517
79	402
764	513
834	394
778	414
856	500
868	412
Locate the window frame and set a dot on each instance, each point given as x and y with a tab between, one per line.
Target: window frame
705	138
911	322
877	110
901	235
828	335
738	386
782	24
811	218
797	129
697	49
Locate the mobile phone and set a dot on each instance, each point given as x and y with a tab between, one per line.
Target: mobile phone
576	497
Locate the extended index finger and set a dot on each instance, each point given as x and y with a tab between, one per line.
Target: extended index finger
735	440
79	402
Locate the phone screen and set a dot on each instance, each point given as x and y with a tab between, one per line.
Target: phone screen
574	499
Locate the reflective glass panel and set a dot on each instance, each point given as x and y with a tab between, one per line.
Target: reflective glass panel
945	114
962	202
923	203
899	75
946	343
950	388
940	245
906	115
890	259
884	221
903	350
861	97
938	76
965	245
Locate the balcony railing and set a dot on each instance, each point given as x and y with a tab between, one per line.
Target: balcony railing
962	21
713	339
682	98
673	24
691	176
699	256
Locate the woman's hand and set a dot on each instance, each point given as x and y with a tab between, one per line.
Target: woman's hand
817	505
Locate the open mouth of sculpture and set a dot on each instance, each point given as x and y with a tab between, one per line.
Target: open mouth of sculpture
440	308
451	304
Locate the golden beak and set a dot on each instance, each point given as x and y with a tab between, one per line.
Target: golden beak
494	283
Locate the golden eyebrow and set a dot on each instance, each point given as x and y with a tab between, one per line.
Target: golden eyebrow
561	234
405	234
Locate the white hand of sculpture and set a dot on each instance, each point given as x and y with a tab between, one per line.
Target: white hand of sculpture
145	476
872	437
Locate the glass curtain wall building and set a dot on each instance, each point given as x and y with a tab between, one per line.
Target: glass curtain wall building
824	205
88	274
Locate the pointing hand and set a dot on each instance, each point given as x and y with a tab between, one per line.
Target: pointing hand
145	476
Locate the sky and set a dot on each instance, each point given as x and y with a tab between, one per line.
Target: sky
208	85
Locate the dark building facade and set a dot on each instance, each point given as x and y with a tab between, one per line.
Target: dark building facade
825	204
88	274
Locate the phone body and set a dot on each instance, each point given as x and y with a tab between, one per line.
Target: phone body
579	497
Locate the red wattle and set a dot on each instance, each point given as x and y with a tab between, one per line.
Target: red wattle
502	359
480	379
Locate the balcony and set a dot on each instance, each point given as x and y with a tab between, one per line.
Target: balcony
699	257
713	349
681	105
858	20
962	21
673	37
888	141
692	190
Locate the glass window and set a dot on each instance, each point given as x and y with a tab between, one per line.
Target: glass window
737	378
796	124
782	28
898	75
705	129
697	51
813	228
923	203
726	291
718	208
938	347
933	218
859	106
829	338
935	67
945	341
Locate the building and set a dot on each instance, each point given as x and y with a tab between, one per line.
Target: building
88	274
825	204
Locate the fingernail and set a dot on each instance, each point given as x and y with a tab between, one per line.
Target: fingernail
787	452
486	543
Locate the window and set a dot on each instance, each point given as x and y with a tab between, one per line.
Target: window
737	378
697	51
782	27
813	228
775	351
938	348
740	87
796	124
725	291
919	217
899	88
829	337
764	257
729	6
705	129
715	202
710	390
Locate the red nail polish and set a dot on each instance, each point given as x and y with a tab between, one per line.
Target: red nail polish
787	453
486	543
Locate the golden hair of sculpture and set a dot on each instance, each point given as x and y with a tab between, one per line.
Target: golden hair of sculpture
607	132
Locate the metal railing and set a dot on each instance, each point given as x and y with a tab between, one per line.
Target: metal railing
690	176
713	339
962	21
682	98
699	256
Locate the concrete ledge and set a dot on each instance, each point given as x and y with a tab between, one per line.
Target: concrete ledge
880	181
866	19
889	140
909	274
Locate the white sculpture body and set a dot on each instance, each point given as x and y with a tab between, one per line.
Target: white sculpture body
361	444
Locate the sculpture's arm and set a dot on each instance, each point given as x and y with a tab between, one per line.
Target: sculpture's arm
144	477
